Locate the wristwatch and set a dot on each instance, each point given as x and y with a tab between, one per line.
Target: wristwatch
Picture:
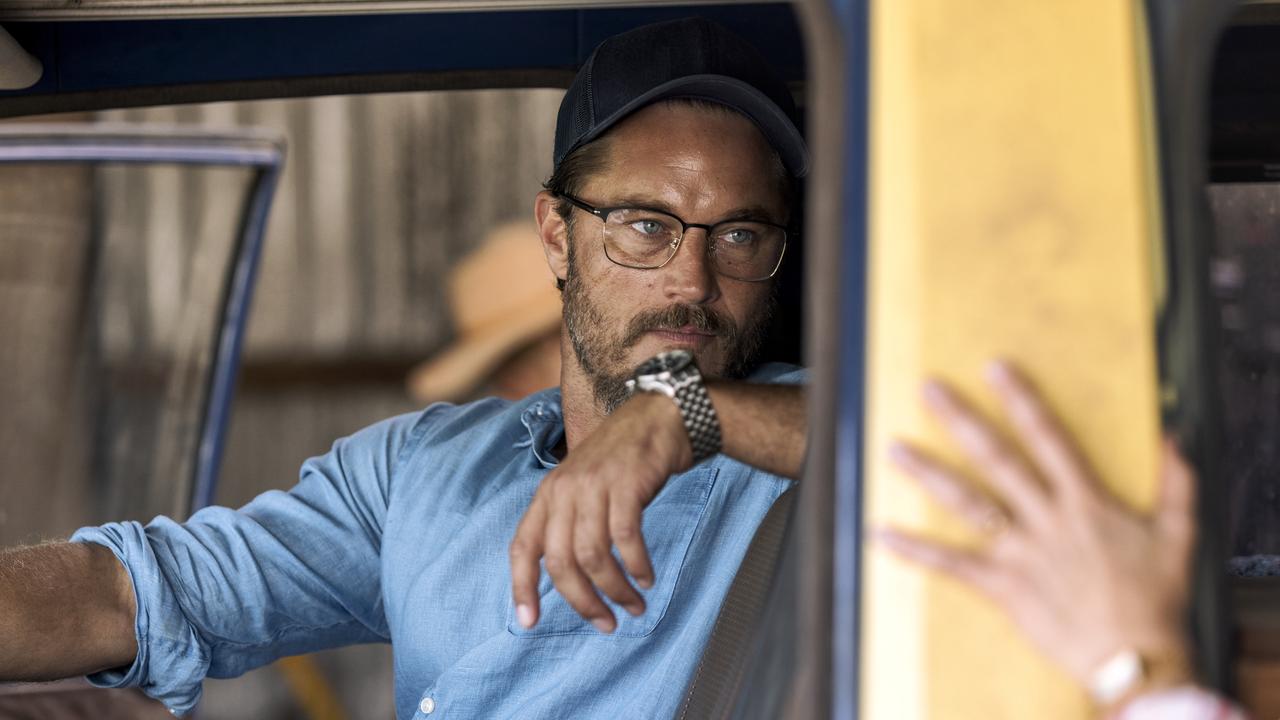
675	374
1128	674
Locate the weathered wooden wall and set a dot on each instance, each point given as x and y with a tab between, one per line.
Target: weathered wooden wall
380	194
44	246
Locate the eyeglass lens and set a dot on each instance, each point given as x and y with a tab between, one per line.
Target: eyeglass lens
740	249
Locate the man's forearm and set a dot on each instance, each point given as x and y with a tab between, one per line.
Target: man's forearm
765	426
65	609
595	496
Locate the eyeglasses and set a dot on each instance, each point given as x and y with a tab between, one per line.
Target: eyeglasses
646	239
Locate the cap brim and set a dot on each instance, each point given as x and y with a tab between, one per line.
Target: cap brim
778	129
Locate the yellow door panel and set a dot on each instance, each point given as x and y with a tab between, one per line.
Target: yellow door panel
1014	212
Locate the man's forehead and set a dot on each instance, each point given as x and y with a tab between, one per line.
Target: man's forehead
701	198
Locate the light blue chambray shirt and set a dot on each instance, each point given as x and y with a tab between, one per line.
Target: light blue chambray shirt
400	534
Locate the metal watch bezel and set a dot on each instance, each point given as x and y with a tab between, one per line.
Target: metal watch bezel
658	373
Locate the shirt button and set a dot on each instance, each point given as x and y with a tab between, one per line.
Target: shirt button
427	706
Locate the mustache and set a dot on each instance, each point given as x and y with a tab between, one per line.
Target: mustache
678	316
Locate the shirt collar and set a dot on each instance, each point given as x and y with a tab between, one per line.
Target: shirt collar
544	421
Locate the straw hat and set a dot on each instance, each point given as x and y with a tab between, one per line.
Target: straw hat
503	297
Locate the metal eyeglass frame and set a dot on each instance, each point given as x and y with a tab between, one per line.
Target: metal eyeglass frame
603	212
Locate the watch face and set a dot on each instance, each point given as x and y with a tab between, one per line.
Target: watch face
670	361
663	373
675	360
649	367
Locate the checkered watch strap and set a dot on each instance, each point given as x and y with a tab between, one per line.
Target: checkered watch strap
699	419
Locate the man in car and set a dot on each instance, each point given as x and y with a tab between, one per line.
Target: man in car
664	220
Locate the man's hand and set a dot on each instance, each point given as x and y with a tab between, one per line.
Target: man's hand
1083	576
593	501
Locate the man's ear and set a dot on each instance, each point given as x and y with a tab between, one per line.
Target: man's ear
554	233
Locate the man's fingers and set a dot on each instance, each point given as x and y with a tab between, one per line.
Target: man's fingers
1039	429
525	555
625	529
949	489
593	549
569	579
999	463
964	566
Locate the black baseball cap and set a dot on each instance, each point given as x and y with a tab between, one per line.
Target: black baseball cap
689	58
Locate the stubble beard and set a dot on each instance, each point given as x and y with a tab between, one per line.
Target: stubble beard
603	356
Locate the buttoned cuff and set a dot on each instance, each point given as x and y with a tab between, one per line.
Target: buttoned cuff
172	660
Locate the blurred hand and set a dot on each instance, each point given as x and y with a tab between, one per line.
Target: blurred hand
592	502
1082	575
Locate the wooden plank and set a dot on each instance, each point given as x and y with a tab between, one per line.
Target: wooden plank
380	195
45	242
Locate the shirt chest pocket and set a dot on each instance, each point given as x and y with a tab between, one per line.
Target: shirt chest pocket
669	524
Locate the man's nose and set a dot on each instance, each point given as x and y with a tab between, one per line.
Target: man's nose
690	276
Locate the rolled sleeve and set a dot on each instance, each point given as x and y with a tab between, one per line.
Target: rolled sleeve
166	641
289	573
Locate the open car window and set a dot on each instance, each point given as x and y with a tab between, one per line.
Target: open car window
109	375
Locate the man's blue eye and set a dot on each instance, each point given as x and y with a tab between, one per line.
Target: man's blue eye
647	227
738	236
